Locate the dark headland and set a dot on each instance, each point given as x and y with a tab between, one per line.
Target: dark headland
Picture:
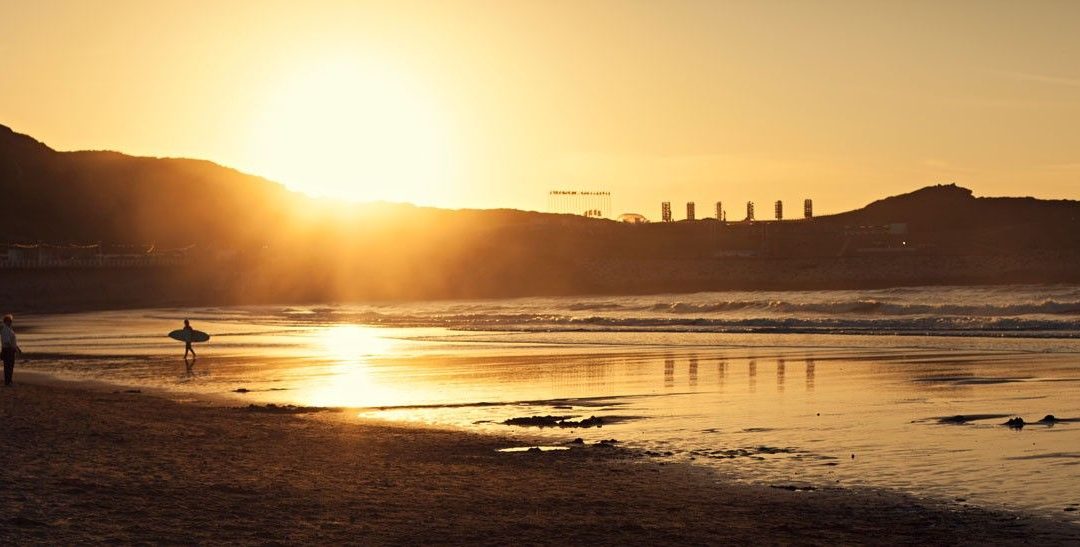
95	230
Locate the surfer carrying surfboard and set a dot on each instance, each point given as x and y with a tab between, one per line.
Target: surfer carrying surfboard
188	335
9	346
187	339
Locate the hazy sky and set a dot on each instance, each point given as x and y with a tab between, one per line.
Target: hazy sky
492	104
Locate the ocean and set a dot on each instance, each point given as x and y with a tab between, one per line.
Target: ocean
906	389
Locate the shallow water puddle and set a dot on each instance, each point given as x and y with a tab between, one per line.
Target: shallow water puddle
533	449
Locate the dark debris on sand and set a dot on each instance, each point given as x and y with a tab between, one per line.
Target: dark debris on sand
555	421
1014	422
961	419
271	408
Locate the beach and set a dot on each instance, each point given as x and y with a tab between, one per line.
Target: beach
89	463
716	418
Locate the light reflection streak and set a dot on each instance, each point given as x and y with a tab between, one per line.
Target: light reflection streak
349	379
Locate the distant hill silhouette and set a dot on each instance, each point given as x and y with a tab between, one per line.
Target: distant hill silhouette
108	196
948	206
293	247
91	196
950	215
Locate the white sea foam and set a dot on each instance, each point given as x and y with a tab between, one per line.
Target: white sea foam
1018	311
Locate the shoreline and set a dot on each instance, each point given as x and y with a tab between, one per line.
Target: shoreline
74	290
90	464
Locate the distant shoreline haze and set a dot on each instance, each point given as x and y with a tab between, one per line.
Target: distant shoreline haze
239	238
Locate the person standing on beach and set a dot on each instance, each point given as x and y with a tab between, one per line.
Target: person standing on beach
9	346
188	334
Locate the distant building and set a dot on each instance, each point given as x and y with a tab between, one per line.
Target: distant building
779	209
689	210
808	208
719	210
71	255
633	218
17	253
749	211
665	211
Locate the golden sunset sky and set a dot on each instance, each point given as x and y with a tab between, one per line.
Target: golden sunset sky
491	104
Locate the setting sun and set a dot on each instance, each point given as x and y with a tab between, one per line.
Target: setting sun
353	131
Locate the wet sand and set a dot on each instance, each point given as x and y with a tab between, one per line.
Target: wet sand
84	464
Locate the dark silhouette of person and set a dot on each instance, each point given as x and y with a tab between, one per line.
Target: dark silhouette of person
9	346
188	334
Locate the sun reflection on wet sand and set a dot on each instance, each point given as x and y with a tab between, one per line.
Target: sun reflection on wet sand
348	379
349	343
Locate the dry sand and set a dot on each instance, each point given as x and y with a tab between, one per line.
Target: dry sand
83	465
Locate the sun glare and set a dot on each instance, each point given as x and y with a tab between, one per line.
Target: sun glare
349	379
350	343
354	131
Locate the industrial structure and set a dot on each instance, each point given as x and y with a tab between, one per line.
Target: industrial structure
594	204
721	215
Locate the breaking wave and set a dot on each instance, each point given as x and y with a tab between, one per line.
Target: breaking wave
876	307
1034	311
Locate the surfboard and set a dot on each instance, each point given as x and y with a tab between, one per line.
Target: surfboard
196	335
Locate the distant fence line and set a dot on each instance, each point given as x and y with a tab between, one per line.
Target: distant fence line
94	262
